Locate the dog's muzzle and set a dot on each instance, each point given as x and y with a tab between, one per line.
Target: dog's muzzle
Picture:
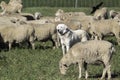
61	32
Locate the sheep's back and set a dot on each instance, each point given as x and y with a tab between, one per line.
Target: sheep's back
91	51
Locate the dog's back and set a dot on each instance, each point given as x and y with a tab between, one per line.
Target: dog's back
83	35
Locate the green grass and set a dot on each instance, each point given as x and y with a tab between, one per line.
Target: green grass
50	11
43	63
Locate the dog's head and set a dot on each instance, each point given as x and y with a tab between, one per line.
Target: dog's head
62	29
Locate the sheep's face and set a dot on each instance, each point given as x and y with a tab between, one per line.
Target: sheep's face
63	68
59	12
62	29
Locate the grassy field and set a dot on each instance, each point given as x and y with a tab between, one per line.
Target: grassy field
22	63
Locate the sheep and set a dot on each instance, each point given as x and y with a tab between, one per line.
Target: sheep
89	52
7	18
63	16
113	13
10	9
101	13
84	21
41	21
103	27
12	34
75	22
15	1
60	12
45	32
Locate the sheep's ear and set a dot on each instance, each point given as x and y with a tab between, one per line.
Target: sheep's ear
65	65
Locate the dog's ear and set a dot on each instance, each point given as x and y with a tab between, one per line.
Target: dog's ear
67	29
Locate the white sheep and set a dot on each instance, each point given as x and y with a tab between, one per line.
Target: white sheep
10	9
100	28
45	32
12	2
88	52
101	13
113	13
5	19
64	16
10	33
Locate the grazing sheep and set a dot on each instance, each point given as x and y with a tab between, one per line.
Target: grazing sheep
17	33
7	18
64	16
101	14
10	9
88	52
104	27
84	21
73	24
12	2
45	32
69	37
41	21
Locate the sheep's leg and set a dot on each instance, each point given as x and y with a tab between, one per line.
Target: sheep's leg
33	45
80	69
109	72
100	36
86	73
9	45
107	67
31	42
117	36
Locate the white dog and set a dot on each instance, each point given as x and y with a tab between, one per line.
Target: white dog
69	37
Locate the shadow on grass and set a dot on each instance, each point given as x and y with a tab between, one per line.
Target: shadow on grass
3	60
43	47
114	75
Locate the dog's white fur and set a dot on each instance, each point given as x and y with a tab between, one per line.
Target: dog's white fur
70	37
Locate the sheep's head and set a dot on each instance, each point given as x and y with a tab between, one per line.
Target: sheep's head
63	67
59	12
